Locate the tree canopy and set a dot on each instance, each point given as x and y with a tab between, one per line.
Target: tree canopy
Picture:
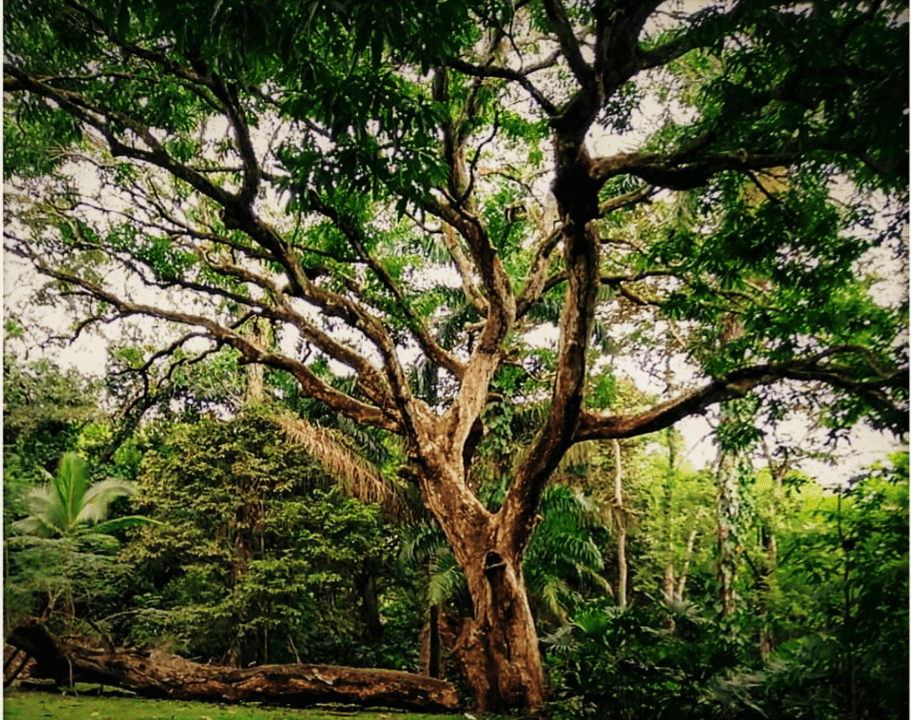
451	212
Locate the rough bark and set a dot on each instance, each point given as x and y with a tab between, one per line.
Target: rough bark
14	663
155	674
497	650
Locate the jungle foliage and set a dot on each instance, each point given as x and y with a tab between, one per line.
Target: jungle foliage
259	557
263	556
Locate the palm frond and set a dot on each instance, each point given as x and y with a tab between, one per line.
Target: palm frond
573	550
564	504
356	476
446	579
528	418
100	495
70	485
422	543
552	595
561	641
584	454
39	499
122	523
70	502
547	309
37	525
590	577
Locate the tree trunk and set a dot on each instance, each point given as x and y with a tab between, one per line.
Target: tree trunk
497	650
370	606
255	390
687	558
669	596
764	586
727	507
621	526
435	648
670	592
158	675
10	670
622	569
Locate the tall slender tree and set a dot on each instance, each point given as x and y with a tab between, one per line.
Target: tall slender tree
443	178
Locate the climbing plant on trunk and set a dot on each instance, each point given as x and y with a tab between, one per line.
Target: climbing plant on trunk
422	189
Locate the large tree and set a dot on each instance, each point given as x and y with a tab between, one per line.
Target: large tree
405	193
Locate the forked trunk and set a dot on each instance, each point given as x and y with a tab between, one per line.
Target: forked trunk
497	650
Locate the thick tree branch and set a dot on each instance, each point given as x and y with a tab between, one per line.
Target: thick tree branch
569	45
453	144
376	331
472	293
675	171
576	190
548	62
617	29
458	211
535	283
641	194
581	255
198	77
596	426
690	39
238	212
487	263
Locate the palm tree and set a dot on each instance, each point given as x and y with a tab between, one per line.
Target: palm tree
70	503
63	550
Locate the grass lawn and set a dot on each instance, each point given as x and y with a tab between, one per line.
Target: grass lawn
87	704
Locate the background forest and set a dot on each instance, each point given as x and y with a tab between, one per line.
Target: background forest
267	548
401	319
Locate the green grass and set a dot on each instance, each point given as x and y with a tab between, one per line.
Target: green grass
87	704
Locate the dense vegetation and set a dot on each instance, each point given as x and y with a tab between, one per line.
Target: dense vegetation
402	310
264	556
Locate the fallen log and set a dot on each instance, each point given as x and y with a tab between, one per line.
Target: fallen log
10	671
156	674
